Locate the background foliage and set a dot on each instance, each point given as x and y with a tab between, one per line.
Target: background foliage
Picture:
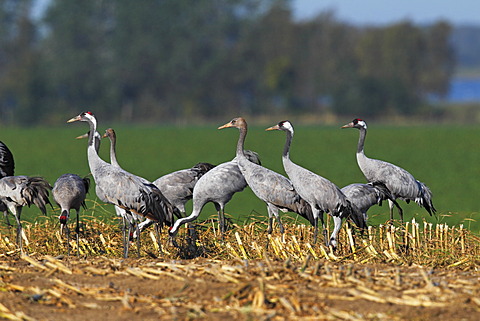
171	60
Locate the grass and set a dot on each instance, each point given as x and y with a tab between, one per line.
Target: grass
444	157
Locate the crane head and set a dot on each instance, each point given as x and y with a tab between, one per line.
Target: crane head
110	133
356	123
284	125
238	122
82	117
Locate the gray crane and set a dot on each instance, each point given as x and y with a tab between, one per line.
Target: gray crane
19	191
175	197
69	192
274	189
7	168
178	187
319	192
121	188
128	218
401	184
364	196
217	186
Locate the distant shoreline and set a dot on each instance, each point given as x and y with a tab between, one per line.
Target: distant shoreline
464	89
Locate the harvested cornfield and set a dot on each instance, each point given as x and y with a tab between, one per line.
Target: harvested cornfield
415	271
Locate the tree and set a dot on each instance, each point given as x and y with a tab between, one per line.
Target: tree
21	83
76	54
398	67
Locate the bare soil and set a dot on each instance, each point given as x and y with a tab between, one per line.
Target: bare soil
41	287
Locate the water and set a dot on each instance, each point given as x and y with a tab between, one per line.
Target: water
464	90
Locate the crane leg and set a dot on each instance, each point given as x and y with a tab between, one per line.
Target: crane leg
315	230
316	215
137	230
67	231
221	218
392	203
337	220
16	213
156	227
273	212
124	233
77	230
5	213
126	241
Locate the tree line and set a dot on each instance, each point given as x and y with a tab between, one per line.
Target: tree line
165	60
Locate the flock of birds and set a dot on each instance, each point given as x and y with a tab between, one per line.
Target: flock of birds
141	203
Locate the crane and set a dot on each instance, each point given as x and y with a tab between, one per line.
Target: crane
19	191
121	188
178	187
217	186
128	218
401	184
7	168
364	196
69	192
319	192
274	189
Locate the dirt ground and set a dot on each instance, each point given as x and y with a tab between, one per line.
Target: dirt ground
68	288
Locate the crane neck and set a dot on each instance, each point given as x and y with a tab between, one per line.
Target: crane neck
91	134
113	151
241	142
361	141
93	144
286	147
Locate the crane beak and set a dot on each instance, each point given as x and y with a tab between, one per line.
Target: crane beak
82	136
225	126
349	125
273	128
76	118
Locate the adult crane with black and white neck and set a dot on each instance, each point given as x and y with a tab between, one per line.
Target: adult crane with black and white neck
121	188
319	192
401	184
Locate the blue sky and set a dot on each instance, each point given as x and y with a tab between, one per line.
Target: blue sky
458	12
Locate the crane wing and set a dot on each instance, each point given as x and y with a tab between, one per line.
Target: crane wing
7	164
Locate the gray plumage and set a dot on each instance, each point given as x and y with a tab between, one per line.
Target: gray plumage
69	192
131	217
401	184
19	191
7	163
128	217
364	196
178	187
121	188
319	192
7	168
217	186
274	189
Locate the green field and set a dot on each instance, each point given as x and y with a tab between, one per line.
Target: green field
446	158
